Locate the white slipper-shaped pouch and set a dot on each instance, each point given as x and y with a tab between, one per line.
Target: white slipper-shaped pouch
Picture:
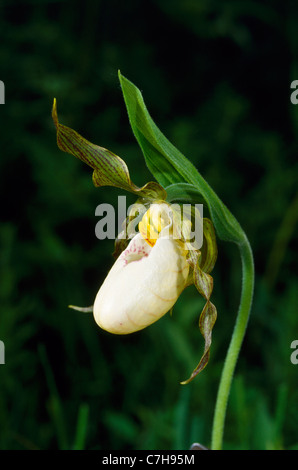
142	286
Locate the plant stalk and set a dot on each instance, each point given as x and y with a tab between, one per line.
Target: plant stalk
235	344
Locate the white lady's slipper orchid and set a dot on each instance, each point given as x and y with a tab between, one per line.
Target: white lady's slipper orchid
143	284
159	262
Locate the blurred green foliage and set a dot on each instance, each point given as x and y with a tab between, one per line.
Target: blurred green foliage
216	78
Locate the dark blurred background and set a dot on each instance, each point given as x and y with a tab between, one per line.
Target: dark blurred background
215	76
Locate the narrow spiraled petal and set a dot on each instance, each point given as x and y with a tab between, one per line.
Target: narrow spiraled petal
142	286
202	263
204	285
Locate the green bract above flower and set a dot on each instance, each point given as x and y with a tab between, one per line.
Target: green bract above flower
154	265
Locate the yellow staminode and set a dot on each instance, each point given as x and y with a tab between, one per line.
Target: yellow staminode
155	220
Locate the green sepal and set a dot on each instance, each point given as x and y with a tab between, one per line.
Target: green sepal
109	169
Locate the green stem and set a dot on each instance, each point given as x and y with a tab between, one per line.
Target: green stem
235	344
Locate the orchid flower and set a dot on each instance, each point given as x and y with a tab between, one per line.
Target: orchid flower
152	271
148	276
154	265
